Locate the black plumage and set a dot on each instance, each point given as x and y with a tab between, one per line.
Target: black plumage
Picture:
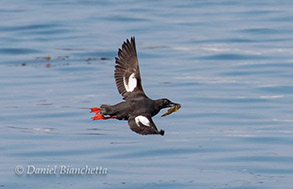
137	108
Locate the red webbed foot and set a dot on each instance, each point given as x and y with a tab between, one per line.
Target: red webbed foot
95	110
100	116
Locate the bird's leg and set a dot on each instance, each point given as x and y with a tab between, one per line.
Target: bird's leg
98	115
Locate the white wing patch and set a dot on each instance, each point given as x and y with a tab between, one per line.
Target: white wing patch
131	84
142	119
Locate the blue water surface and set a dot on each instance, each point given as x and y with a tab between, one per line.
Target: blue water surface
229	64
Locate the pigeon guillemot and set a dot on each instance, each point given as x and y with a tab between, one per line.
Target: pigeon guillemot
137	108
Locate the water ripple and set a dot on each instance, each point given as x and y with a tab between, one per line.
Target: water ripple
231	57
18	51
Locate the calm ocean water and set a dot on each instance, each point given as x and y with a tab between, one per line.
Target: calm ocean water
229	64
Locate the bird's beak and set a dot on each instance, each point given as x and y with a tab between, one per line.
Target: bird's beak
174	104
174	107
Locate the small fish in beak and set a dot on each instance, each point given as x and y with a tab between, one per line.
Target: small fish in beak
172	109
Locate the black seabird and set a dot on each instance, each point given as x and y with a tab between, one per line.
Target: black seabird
137	108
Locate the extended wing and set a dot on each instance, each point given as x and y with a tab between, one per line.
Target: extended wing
127	75
144	125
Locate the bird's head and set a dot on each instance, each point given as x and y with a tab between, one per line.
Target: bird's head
165	103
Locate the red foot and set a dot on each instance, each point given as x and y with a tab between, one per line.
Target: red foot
100	116
95	110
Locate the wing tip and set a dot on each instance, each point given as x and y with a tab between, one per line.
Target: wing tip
130	42
127	47
132	39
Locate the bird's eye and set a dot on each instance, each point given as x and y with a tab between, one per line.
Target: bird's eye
166	102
